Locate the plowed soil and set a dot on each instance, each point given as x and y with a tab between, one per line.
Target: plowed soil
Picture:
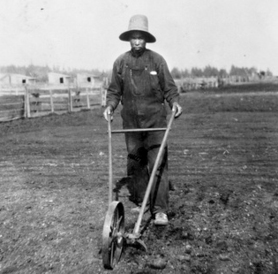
223	162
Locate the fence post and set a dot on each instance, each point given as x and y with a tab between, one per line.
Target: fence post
69	101
27	103
51	100
104	92
103	97
88	98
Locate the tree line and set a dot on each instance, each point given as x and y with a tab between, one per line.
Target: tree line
210	71
41	72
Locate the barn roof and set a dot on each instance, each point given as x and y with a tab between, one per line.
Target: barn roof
59	74
5	75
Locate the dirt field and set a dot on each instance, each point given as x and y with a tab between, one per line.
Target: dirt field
223	160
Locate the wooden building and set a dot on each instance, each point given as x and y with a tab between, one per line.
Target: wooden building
85	80
59	79
12	79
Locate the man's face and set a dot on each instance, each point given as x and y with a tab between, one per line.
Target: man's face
137	40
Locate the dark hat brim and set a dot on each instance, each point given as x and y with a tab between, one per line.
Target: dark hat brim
125	36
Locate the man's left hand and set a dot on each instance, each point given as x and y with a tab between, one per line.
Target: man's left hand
178	109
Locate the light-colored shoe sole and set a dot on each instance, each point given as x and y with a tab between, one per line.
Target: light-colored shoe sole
160	223
136	209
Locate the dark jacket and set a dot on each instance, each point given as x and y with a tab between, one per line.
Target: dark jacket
142	84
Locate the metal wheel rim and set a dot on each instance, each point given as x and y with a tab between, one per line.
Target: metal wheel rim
113	235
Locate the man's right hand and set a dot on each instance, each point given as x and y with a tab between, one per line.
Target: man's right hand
177	109
108	111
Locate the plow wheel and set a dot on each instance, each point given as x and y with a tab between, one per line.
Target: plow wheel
113	235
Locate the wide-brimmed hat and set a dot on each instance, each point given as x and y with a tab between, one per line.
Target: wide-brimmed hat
138	23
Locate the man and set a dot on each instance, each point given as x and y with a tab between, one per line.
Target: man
141	81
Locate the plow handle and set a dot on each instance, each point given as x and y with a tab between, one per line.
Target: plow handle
151	180
110	180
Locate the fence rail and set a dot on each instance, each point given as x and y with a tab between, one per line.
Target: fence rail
34	101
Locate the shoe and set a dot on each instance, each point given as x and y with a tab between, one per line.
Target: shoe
161	219
121	187
136	209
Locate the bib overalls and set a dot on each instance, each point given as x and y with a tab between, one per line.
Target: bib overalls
143	107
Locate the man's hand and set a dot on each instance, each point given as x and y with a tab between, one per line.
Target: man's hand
177	109
108	111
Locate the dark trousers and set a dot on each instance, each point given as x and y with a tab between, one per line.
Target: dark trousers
142	150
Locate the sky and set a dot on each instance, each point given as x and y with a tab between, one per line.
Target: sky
84	34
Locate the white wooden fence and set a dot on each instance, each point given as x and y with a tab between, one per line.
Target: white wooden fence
32	101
